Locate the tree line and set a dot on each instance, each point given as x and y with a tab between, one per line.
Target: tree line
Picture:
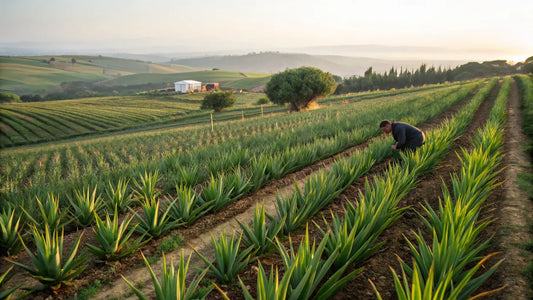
402	78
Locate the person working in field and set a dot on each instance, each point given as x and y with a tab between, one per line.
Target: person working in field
407	137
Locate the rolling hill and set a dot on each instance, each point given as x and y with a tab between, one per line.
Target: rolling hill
273	62
33	74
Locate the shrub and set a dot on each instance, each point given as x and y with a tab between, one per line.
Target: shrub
9	98
218	101
262	100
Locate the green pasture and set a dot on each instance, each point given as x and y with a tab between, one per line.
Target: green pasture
222	77
29	78
248	83
32	74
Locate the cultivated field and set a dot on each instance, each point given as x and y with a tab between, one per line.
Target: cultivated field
272	205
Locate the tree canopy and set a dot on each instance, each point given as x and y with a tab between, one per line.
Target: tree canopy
218	101
8	98
299	87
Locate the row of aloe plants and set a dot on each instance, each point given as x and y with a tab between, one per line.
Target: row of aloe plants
189	204
446	268
151	223
525	84
225	155
351	240
305	270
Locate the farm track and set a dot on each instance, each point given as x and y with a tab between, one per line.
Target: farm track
376	268
513	212
199	235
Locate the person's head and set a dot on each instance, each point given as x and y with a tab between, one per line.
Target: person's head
385	126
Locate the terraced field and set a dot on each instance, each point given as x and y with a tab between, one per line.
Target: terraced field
322	175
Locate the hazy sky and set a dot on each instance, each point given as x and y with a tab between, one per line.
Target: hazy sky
208	25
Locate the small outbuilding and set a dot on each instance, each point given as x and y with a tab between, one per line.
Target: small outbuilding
185	86
210	87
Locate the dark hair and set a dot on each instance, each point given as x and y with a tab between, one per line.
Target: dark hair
384	123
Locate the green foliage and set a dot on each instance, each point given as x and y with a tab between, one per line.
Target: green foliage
262	101
9	237
85	206
299	87
8	98
118	197
261	235
307	270
269	288
188	206
154	221
51	216
424	75
172	284
146	189
229	261
86	292
170	244
114	239
51	267
217	192
218	101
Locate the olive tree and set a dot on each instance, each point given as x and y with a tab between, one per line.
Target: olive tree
299	87
218	101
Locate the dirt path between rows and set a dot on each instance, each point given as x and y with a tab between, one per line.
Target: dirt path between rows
513	212
200	236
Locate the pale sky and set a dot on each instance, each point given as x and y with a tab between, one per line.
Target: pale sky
209	25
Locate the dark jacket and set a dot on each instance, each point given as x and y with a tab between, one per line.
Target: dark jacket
407	136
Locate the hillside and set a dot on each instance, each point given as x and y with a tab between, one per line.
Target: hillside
33	74
273	62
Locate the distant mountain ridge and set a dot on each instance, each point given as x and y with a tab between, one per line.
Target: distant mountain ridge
273	62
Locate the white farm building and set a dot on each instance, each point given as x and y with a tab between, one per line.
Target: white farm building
187	85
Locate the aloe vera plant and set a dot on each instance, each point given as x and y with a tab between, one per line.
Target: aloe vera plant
270	288
154	221
188	206
10	226
85	206
51	267
114	239
261	235
51	214
187	176
118	196
434	287
229	261
309	270
260	175
217	192
172	284
238	183
146	189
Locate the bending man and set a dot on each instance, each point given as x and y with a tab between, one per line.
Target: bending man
407	136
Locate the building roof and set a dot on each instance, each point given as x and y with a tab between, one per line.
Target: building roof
187	81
